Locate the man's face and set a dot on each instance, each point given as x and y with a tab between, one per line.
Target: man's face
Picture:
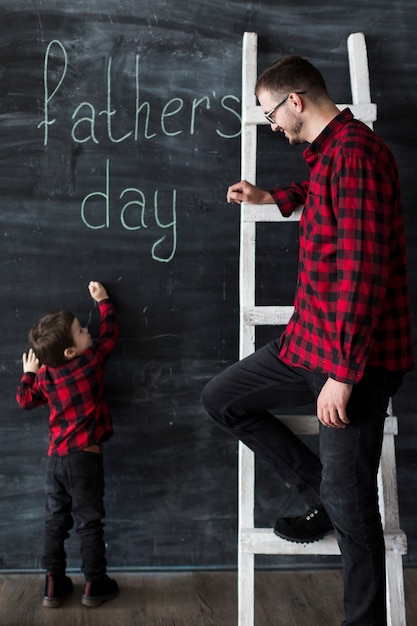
286	119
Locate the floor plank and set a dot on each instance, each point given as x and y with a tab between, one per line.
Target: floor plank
287	598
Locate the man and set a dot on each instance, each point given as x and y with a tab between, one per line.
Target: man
348	342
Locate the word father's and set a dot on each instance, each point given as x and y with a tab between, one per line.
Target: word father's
95	207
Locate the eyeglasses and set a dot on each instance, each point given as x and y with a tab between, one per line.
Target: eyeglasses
272	111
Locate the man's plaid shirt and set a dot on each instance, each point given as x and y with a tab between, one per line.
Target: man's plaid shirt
78	411
351	306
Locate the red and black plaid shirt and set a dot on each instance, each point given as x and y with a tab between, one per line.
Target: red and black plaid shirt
351	304
79	413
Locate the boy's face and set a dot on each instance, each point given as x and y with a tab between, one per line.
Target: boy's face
81	337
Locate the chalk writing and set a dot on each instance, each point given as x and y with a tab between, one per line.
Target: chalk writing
96	214
86	118
96	125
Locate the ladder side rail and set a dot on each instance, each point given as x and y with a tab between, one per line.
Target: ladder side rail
359	71
247	284
247	264
246	469
249	132
387	484
246	587
358	68
387	473
396	614
388	504
248	172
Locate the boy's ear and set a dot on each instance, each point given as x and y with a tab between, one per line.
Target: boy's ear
70	353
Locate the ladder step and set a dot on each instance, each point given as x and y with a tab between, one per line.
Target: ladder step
364	111
266	213
266	315
309	424
264	541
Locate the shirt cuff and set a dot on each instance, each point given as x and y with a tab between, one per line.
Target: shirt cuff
344	371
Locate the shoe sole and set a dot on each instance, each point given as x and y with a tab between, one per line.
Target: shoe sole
52	603
93	602
308	540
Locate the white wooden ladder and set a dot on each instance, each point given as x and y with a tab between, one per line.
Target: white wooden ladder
253	540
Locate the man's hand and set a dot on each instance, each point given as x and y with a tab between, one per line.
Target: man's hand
332	402
97	291
30	362
246	192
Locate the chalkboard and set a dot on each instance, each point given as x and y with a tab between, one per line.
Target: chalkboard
120	132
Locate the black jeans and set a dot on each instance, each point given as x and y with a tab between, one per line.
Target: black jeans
344	479
74	493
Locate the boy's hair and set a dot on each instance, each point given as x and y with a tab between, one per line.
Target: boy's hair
50	337
292	73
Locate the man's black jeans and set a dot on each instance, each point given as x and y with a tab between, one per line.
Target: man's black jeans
344	478
74	493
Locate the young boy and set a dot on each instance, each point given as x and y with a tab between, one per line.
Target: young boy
64	369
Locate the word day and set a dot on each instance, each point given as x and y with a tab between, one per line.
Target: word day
87	121
97	213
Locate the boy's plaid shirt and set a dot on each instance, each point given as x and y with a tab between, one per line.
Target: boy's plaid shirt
79	413
351	304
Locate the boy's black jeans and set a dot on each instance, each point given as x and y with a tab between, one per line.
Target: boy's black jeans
74	496
240	399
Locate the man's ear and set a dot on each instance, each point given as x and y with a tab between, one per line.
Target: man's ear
296	101
70	353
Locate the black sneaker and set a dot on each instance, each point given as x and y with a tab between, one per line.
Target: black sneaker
98	591
304	529
57	588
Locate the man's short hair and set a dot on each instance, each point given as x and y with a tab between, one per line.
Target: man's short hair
51	336
292	73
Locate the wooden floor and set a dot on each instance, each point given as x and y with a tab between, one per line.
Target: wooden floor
283	598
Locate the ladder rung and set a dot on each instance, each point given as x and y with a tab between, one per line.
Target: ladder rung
309	424
264	541
301	424
266	213
364	111
266	315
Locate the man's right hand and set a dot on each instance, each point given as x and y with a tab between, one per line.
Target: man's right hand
246	192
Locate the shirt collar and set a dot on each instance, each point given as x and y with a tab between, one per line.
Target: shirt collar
319	144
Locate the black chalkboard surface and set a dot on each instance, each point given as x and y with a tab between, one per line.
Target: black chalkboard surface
120	132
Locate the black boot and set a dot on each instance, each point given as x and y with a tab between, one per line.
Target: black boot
304	529
57	587
98	591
